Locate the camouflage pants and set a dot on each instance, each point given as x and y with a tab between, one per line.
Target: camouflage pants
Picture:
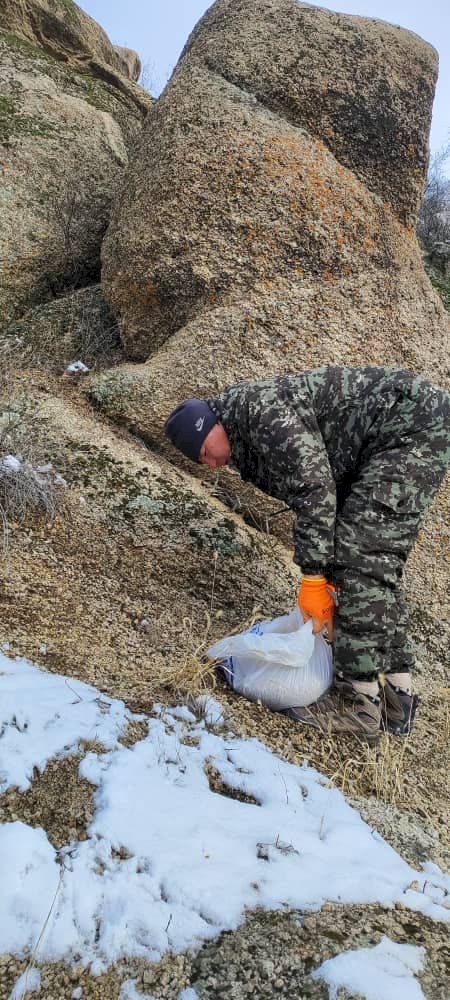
379	515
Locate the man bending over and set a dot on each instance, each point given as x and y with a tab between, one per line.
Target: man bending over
358	454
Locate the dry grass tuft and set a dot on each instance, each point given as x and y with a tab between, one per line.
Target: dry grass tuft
195	673
378	771
28	480
26	486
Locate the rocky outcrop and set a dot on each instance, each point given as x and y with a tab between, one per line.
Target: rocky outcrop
268	219
130	62
277	256
67	120
66	32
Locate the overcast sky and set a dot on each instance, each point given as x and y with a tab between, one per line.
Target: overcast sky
158	29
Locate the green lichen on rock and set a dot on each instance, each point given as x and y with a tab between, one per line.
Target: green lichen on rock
24	47
97	93
145	504
100	474
110	391
67	8
159	499
151	501
27	125
7	112
221	538
75	81
15	125
176	509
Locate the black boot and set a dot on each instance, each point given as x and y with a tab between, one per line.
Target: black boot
397	709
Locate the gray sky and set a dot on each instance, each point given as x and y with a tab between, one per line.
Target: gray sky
158	29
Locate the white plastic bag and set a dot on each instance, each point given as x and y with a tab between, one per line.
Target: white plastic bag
279	662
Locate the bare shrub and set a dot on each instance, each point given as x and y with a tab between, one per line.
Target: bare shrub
149	79
27	480
23	486
84	338
433	224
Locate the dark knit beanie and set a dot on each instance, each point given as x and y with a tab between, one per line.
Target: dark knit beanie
188	425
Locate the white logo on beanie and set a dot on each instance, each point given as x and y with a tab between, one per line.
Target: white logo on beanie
199	424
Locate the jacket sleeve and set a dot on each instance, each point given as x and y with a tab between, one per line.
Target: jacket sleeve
286	436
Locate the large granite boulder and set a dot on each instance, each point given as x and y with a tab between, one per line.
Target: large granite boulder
130	62
68	116
268	218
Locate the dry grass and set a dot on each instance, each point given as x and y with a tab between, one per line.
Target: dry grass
195	673
50	336
83	340
28	480
378	771
26	487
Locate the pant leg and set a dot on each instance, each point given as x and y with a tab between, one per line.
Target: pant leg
375	530
400	658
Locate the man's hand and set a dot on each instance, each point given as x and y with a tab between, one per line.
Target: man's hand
316	601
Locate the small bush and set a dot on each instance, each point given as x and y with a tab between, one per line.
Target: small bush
23	486
27	480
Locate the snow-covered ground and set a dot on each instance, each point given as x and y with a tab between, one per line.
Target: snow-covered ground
170	863
380	973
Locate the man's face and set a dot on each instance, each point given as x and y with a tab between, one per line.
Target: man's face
216	449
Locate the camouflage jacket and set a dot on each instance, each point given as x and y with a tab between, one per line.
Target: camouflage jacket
303	438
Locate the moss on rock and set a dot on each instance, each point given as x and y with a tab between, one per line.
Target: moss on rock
24	47
7	113
67	8
14	125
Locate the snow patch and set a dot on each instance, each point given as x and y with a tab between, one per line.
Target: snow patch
44	715
378	973
211	710
128	991
10	464
171	862
28	982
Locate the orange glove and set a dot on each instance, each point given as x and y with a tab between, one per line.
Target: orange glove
315	601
